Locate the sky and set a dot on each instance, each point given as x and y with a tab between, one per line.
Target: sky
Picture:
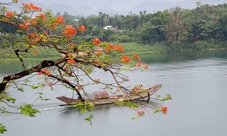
87	7
100	3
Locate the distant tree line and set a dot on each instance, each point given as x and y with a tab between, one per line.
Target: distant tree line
202	27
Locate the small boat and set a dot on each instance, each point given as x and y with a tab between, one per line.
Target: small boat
102	97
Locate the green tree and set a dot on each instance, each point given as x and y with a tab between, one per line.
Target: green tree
179	25
76	61
130	21
223	25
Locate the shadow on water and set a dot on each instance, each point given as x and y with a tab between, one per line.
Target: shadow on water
106	107
71	110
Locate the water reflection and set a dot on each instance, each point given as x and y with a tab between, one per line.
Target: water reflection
182	56
71	110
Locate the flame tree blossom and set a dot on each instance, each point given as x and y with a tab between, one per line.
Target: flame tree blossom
76	60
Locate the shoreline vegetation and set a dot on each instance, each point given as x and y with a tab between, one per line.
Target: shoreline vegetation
130	48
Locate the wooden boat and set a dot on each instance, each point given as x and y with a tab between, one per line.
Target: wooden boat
104	98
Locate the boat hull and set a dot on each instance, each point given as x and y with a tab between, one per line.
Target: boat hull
115	98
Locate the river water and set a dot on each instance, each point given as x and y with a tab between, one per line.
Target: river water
197	82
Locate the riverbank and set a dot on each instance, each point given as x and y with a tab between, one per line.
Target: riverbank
44	53
163	47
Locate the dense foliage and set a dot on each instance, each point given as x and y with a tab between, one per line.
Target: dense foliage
199	28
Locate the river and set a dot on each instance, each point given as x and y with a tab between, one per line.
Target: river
197	82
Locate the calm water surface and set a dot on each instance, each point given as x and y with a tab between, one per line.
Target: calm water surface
196	81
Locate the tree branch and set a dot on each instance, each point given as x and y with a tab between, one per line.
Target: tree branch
43	64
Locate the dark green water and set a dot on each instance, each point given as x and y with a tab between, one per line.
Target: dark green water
197	82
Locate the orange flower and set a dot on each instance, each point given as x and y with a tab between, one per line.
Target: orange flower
106	49
53	26
111	46
60	20
119	48
26	6
98	53
33	21
35	8
32	7
41	15
82	28
9	14
71	61
140	112
33	38
136	57
35	51
46	72
24	26
69	31
31	35
96	41
138	64
125	59
146	66
40	73
164	109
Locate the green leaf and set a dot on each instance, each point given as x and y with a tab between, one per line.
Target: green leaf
9	99
89	119
168	97
26	81
34	87
15	1
83	107
127	104
46	99
119	103
83	110
134	118
133	105
20	89
156	111
28	110
2	129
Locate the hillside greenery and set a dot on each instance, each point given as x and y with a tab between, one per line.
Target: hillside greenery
174	30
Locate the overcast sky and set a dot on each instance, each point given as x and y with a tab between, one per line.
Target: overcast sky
115	6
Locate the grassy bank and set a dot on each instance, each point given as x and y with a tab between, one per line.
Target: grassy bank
139	48
44	53
157	48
